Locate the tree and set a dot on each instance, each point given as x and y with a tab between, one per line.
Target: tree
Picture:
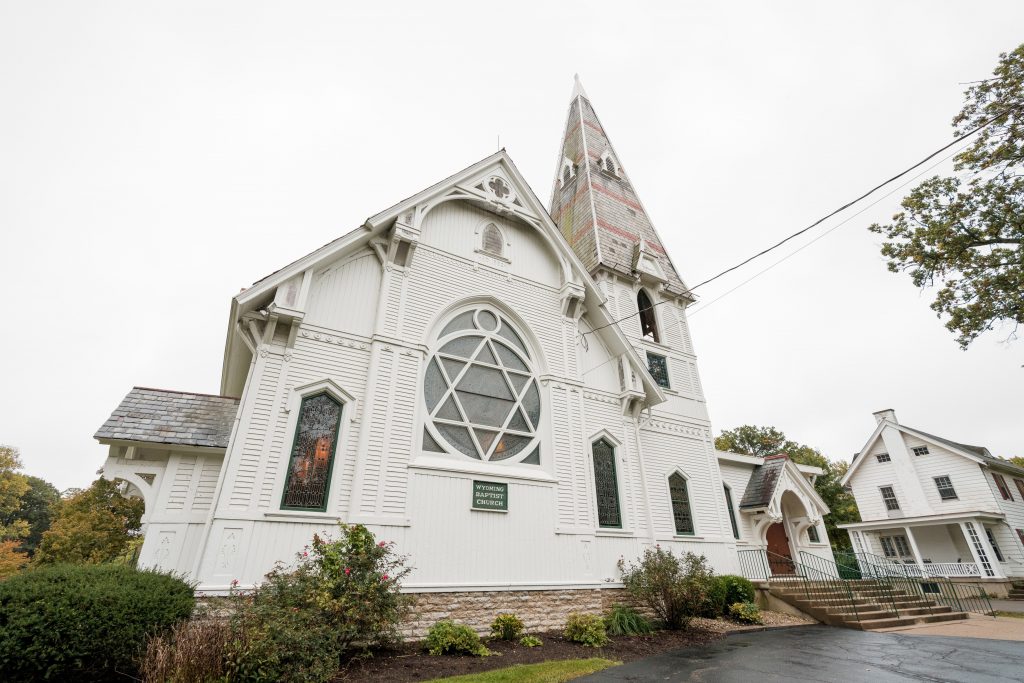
93	526
968	235
37	509
763	441
13	485
1017	460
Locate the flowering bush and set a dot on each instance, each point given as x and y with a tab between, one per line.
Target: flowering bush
746	612
676	588
300	622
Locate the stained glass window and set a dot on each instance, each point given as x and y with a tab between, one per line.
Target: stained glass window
648	324
658	365
732	512
607	485
316	439
680	496
481	391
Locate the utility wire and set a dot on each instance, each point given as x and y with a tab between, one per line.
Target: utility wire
818	222
824	234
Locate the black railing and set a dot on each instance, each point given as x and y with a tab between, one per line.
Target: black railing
815	582
958	595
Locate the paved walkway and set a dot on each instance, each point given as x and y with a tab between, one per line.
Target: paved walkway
822	653
998	628
1007	605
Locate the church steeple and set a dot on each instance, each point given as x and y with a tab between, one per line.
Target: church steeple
596	208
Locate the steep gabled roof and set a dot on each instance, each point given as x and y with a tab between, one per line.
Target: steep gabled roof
180	418
978	454
594	203
763	480
380	223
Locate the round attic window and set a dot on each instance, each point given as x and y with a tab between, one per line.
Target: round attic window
481	390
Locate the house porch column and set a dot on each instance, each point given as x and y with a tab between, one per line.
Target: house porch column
974	534
913	548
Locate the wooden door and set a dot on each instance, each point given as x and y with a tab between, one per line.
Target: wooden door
780	558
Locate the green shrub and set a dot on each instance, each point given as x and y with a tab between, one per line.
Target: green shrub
448	638
506	627
298	624
623	621
66	622
737	589
674	587
530	641
587	629
746	612
715	604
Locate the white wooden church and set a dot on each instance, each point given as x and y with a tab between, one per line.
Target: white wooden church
508	392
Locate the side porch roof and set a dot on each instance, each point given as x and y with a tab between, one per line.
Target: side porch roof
178	418
923	520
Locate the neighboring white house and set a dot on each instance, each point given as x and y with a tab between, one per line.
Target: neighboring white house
509	394
945	508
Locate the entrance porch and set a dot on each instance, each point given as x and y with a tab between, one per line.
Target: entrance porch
934	546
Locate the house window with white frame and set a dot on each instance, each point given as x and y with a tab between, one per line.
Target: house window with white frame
882	457
945	487
812	534
1004	489
895	546
889	498
1020	487
920	450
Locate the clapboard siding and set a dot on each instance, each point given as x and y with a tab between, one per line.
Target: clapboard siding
737	476
343	296
968	480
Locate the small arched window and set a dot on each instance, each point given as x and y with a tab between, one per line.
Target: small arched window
732	511
648	324
606	484
493	242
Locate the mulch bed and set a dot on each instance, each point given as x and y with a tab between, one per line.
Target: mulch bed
408	662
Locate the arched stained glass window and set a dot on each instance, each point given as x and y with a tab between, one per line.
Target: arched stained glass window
481	391
312	458
493	242
606	484
680	495
648	323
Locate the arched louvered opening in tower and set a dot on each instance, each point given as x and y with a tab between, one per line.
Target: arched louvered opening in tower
493	242
648	324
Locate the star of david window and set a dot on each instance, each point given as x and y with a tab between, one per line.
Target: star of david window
481	392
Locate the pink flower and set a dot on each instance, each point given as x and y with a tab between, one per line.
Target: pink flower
347	571
381	544
384	578
305	553
234	582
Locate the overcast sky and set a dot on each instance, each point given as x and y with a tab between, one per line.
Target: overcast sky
156	157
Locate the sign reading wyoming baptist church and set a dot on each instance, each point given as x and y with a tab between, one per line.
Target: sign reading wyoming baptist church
489	495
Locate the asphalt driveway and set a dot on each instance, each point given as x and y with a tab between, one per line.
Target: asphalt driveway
822	653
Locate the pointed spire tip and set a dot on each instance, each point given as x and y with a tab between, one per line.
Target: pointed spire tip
577	90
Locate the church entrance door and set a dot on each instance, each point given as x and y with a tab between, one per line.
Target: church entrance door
780	557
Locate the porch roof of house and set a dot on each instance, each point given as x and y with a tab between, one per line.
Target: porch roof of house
924	520
171	417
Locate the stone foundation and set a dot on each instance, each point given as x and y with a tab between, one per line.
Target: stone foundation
540	610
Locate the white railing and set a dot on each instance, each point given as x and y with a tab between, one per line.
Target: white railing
951	569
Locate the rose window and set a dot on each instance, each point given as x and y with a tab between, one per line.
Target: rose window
481	392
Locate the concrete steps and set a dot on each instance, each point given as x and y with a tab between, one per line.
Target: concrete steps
1016	591
873	605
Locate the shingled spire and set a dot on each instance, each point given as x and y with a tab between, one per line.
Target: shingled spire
596	208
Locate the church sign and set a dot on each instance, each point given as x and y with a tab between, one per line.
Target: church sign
489	495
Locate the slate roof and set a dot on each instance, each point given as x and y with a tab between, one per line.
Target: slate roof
598	213
171	417
763	481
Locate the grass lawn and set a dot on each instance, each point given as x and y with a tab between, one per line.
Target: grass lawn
545	672
1003	613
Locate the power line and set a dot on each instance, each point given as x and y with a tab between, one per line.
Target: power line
822	235
818	222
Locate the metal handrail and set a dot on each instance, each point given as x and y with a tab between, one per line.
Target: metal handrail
763	565
964	597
